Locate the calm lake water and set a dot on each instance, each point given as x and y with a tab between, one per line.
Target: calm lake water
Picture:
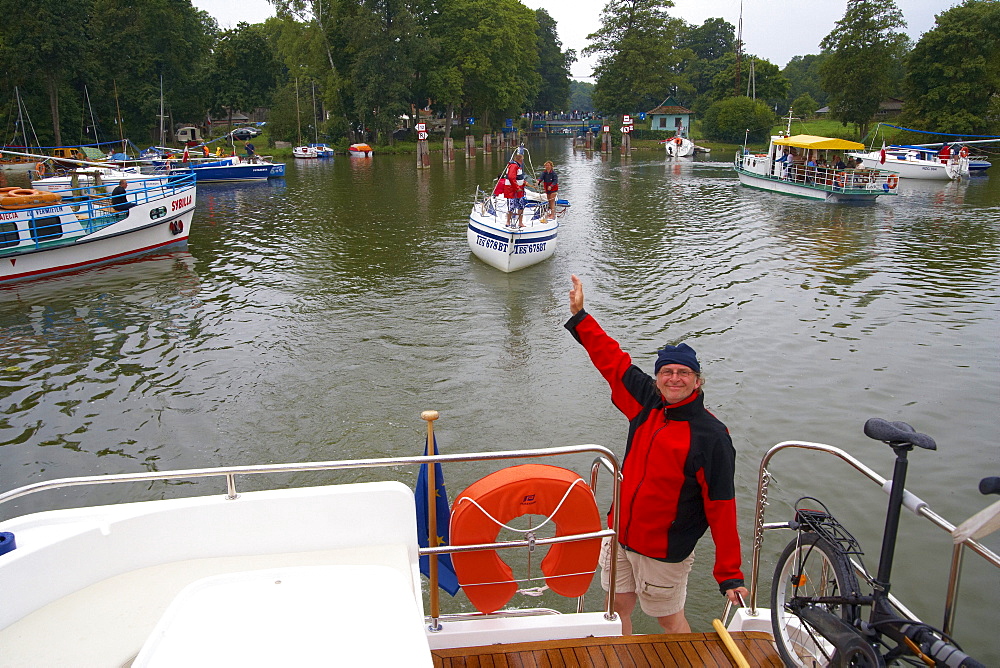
314	317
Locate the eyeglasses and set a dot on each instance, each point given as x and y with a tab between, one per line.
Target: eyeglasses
680	373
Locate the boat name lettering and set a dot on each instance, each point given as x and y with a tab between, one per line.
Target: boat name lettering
529	248
180	203
44	212
8	216
491	243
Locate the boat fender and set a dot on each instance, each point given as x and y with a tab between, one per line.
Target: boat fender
176	226
484	507
7	542
964	153
892	181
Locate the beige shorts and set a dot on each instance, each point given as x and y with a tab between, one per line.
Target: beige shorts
661	586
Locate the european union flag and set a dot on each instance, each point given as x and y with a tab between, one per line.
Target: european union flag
447	579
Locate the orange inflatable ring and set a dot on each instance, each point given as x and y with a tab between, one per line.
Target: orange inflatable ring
23	198
964	153
892	181
678	141
532	489
40	168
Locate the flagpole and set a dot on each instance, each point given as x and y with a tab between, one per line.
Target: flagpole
430	416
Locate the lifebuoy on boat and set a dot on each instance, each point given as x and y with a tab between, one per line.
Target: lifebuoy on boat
532	489
24	198
892	181
678	141
964	153
40	169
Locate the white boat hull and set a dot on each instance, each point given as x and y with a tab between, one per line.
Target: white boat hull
912	168
682	149
847	186
505	248
150	226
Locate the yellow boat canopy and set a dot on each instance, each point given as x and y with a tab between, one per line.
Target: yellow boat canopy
820	143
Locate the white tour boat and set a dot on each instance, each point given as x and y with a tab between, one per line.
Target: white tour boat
46	232
787	167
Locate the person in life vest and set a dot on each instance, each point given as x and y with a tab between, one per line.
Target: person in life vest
678	478
514	189
550	184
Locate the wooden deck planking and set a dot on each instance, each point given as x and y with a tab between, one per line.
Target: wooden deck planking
685	649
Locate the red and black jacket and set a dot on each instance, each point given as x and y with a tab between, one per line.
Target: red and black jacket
679	464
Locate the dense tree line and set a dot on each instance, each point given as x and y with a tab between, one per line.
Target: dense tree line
88	69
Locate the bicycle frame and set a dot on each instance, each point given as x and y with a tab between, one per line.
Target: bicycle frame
914	504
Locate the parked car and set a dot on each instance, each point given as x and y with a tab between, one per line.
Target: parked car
243	134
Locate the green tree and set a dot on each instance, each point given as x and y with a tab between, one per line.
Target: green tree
147	41
803	75
639	55
953	79
491	47
710	42
245	68
48	42
554	64
863	48
804	105
383	33
580	93
762	79
738	119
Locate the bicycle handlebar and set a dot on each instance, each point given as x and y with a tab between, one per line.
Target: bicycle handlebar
897	433
942	651
990	485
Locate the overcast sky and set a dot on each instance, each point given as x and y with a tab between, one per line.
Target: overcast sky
773	29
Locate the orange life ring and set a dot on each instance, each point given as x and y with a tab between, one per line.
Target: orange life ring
23	198
678	141
892	181
531	489
964	153
40	168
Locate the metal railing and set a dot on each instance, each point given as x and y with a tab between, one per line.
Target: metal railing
911	502
230	474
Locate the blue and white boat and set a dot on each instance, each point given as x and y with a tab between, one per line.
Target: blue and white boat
509	247
322	150
233	168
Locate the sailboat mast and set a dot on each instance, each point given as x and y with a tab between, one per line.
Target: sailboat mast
298	117
739	48
162	142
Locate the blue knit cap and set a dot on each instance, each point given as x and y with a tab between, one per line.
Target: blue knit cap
682	354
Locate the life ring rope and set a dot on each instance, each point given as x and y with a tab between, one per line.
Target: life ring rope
533	529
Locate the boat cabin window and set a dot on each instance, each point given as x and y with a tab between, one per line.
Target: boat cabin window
46	229
8	235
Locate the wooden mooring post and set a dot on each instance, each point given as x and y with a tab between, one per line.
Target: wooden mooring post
423	153
470	147
487	143
449	149
606	139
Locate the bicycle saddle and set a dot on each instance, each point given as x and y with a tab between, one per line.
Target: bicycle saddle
897	433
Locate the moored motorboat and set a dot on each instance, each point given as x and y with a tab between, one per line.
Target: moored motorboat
231	168
918	162
50	232
804	166
322	150
305	152
360	151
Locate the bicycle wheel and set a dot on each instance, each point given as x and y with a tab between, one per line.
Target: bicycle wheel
809	566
